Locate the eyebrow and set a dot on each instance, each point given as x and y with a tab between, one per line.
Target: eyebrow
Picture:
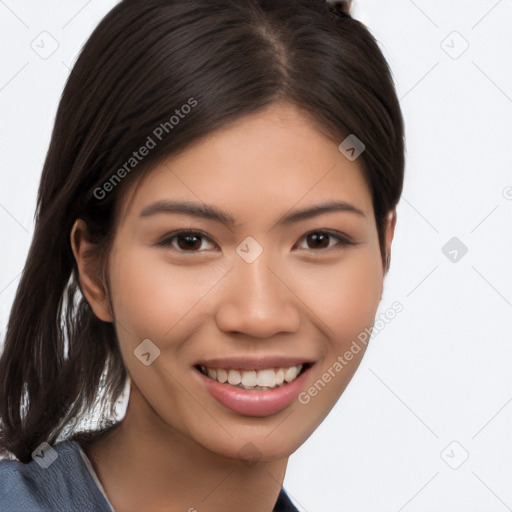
210	212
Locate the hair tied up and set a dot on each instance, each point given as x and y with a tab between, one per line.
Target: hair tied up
339	7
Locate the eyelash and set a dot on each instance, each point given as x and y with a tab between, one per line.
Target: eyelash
342	240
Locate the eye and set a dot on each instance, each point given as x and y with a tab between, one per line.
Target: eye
192	241
185	241
321	241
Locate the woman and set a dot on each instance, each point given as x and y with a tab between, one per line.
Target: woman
214	225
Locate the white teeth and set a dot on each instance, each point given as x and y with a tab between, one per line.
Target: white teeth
222	375
254	379
250	379
234	377
290	374
267	378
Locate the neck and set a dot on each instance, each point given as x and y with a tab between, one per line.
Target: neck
146	465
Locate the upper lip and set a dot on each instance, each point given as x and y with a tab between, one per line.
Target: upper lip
255	363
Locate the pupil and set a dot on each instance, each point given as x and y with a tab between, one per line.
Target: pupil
190	241
318	237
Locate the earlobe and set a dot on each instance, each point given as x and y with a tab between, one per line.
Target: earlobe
87	260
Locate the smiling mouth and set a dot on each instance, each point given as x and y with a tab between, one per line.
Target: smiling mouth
260	380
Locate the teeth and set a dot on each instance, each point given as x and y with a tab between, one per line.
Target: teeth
268	378
234	377
222	375
250	379
290	374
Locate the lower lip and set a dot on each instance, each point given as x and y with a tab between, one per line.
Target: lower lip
253	402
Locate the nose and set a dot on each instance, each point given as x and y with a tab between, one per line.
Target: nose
258	300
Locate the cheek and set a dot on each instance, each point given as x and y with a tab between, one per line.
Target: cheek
150	296
346	297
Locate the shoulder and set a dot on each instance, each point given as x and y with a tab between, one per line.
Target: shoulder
56	479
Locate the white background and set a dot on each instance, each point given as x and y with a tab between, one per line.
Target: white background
439	375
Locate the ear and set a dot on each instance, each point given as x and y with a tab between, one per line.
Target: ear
390	232
87	258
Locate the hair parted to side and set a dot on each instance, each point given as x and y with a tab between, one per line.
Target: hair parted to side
144	61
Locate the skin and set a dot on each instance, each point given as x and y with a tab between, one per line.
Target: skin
177	447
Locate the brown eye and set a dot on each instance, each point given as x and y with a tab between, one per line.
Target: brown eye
186	242
320	241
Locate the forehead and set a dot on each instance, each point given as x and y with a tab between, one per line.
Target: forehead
265	162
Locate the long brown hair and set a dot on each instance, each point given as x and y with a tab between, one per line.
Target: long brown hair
145	61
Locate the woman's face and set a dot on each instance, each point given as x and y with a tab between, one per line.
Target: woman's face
256	285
